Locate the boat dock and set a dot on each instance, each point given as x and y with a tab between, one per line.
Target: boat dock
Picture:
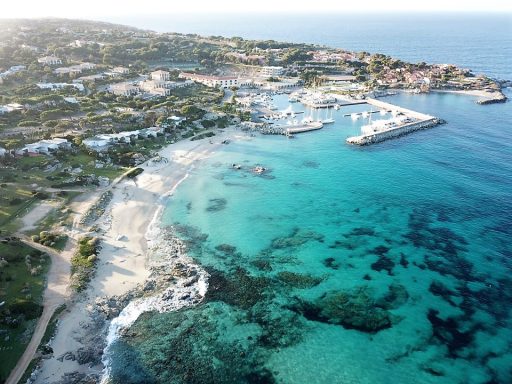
336	104
390	107
392	133
290	129
304	128
361	113
421	121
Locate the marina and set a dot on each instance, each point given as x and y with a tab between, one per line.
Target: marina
403	122
382	121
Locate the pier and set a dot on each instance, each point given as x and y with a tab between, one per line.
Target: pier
333	104
421	121
395	132
288	130
361	113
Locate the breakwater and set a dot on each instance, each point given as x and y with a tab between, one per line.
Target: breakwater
421	121
392	133
497	98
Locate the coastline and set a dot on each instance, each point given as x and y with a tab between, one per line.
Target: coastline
484	96
131	228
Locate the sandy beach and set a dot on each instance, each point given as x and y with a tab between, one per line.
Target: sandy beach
123	263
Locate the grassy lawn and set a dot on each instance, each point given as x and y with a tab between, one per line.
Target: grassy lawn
14	200
22	292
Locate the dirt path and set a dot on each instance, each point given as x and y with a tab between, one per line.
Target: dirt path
57	291
56	294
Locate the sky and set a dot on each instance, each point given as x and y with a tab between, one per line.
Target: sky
115	8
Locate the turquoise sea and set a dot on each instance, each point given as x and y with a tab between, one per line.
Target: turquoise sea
383	264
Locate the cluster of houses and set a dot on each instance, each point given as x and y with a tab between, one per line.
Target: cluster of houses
95	143
49	60
54	86
428	76
74	69
102	142
12	70
257	82
324	56
159	84
244	58
117	71
44	147
10	108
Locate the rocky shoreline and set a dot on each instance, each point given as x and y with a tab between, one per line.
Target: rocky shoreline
173	281
499	98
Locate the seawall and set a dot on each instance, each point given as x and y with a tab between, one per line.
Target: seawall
394	132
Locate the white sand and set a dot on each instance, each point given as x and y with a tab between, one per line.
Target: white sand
122	263
37	213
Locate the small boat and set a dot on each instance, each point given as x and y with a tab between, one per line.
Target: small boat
328	118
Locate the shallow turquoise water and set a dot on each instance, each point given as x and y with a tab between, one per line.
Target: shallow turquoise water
382	264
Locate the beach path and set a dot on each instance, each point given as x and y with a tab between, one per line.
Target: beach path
56	294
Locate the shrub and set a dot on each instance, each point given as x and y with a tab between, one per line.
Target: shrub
27	308
83	262
134	172
15	201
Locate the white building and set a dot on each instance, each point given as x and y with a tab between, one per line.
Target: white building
49	60
211	81
14	69
10	107
272	71
95	77
121	70
96	143
160	75
124	89
74	69
102	142
54	86
3	151
45	146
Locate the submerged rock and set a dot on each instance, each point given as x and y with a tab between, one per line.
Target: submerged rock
297	280
216	205
262	265
226	249
354	309
383	263
331	262
192	347
447	333
238	289
297	238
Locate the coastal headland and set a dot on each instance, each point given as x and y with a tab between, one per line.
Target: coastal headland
90	156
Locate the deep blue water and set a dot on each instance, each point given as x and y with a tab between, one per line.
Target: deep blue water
383	264
479	41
